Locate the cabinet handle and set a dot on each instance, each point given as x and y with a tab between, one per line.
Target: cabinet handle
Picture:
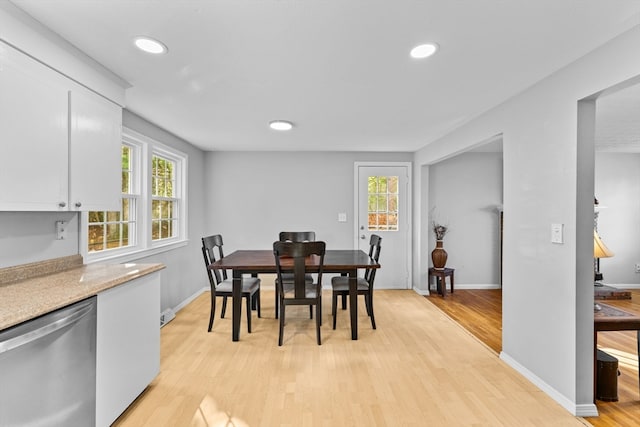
78	204
62	204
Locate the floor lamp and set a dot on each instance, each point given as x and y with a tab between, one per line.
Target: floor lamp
600	250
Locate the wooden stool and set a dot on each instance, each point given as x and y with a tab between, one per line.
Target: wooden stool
440	276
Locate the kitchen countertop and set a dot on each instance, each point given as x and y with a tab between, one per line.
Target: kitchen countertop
31	290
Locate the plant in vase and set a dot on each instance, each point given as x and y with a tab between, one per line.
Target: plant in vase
439	255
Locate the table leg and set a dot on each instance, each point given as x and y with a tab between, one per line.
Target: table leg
595	363
638	342
353	303
237	304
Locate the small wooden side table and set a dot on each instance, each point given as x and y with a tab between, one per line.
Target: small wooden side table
440	276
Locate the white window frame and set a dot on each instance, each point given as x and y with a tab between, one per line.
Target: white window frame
179	189
144	246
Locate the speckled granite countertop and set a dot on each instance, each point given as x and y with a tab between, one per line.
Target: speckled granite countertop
30	290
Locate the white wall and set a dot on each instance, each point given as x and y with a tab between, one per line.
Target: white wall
185	272
252	196
464	193
617	187
548	178
31	236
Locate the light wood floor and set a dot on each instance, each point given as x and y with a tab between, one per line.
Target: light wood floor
480	312
419	368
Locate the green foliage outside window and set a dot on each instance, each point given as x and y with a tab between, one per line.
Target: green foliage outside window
163	212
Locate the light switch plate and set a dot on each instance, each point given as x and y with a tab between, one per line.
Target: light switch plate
557	233
342	217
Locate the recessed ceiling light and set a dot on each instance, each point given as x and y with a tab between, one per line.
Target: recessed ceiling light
150	45
424	50
280	125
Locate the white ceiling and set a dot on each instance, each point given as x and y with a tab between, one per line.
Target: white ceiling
339	69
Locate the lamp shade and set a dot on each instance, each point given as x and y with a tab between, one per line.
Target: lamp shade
600	250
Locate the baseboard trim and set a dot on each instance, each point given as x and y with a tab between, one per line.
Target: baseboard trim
578	410
624	285
190	298
477	286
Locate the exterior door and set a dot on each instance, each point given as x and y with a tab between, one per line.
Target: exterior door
382	207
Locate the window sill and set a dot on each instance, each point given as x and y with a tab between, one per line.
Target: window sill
135	255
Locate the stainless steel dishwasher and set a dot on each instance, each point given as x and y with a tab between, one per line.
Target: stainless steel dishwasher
48	369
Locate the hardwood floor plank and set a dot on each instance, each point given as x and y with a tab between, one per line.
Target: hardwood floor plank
480	312
418	368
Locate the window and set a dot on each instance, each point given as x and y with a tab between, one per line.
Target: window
383	203
151	218
164	204
116	229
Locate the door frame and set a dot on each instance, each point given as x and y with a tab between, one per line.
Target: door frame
356	195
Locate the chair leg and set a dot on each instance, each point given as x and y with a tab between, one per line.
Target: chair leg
277	301
310	312
344	301
334	307
224	307
212	315
366	304
248	298
318	322
257	297
319	309
281	323
369	298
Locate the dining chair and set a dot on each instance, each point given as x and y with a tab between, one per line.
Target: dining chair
295	236
291	257
222	286
340	284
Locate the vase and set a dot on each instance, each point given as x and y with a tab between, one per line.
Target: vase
439	256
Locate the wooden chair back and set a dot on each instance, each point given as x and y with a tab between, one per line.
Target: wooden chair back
374	253
212	251
297	236
290	257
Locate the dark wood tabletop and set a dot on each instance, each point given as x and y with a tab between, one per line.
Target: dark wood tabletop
610	318
263	261
343	261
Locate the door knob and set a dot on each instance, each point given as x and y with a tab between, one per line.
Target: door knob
363	237
78	204
62	204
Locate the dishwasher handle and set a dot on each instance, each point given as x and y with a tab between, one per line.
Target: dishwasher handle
75	315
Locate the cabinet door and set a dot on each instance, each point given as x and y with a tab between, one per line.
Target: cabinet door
33	134
128	345
95	154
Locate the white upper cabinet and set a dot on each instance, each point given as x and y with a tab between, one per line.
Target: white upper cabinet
60	141
33	134
95	154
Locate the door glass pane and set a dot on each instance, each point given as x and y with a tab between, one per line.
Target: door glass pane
383	203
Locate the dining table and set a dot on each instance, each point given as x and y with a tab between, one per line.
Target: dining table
254	262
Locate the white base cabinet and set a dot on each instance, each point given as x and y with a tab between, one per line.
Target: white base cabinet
127	345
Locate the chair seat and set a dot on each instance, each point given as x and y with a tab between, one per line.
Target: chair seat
309	292
341	284
249	285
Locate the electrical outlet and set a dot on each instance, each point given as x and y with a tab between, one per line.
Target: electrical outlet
61	230
637	267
